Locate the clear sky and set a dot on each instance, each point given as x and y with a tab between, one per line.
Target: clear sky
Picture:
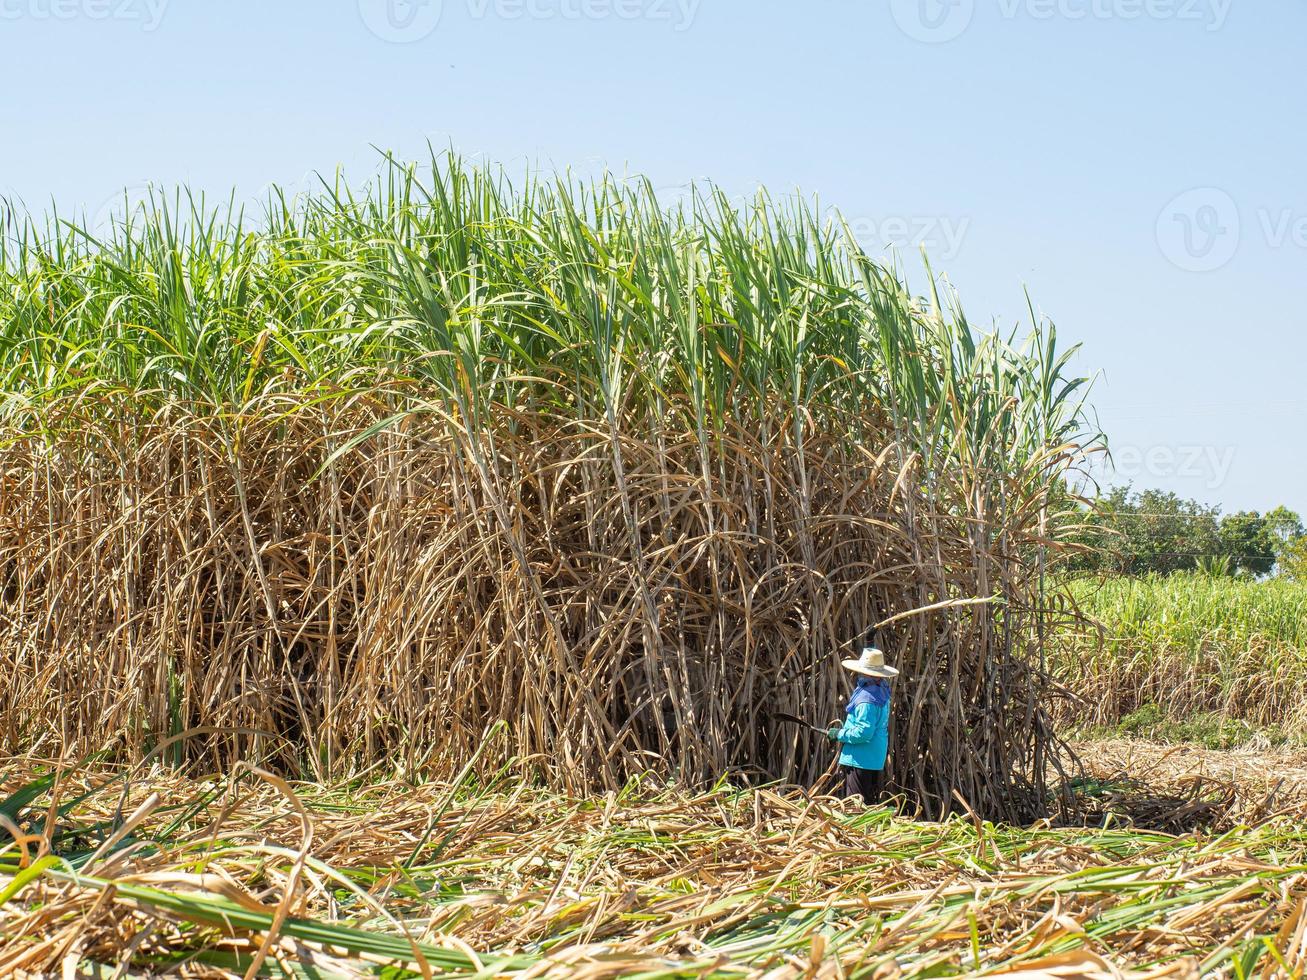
1139	165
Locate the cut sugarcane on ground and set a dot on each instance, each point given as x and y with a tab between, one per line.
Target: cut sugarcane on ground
152	873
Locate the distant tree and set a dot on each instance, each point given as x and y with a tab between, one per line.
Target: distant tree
1285	528
1293	559
1152	531
1079	522
1248	543
1135	533
1284	524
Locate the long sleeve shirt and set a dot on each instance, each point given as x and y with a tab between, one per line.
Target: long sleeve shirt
864	737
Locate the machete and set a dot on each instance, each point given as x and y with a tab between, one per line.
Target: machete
792	720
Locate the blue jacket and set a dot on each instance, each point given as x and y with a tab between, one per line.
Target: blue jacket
864	737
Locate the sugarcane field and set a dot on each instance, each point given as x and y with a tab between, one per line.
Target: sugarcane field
515	554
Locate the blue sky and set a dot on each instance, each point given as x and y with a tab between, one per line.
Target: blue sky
1137	164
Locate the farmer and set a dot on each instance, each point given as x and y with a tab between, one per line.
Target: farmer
864	736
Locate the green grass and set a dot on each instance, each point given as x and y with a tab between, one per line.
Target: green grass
1192	613
1213	659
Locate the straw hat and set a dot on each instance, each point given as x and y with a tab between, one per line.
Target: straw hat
872	663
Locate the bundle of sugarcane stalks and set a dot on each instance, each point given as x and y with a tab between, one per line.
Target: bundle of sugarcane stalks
342	484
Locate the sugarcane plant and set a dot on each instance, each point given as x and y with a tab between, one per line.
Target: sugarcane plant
370	467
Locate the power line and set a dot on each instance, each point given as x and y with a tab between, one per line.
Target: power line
1183	554
1114	515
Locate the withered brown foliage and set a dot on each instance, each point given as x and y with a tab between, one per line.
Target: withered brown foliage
386	612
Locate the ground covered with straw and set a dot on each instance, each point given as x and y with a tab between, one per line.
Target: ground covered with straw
136	874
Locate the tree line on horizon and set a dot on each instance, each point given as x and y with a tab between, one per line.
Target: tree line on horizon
1142	532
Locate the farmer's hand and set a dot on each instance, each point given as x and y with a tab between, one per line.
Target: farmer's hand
833	733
